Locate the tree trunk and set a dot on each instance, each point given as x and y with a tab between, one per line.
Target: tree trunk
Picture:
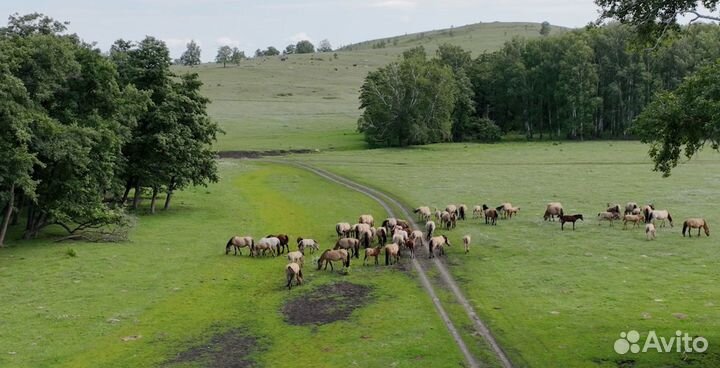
154	199
7	215
16	214
171	189
138	195
128	186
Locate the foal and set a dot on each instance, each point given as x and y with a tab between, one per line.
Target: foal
570	218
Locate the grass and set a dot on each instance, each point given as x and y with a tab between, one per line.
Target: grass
562	298
172	287
311	101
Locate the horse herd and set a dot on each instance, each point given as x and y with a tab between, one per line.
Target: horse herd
395	234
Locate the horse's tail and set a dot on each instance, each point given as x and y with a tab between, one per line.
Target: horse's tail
562	213
347	260
685	226
387	257
647	215
670	218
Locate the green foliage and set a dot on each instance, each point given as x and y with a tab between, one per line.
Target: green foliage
545	28
304	47
481	130
70	252
684	120
324	46
289	49
237	56
224	55
191	56
408	102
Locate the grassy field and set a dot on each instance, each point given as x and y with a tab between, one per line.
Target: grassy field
311	101
172	288
562	298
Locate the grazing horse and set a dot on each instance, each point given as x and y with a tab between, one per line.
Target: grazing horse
358	229
342	229
284	242
650	231
296	257
417	234
614	208
429	229
512	211
392	251
349	244
307	243
630	207
491	215
239	242
404	225
365	239
293	271
451	208
608	216
635	219
695	223
553	209
330	256
410	244
503	209
661	215
372	252
423	213
449	220
390	224
466	243
265	244
437	242
477	211
570	218
400	237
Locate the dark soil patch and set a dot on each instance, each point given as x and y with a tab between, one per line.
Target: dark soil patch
326	304
259	154
230	349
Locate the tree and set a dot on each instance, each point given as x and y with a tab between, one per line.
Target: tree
224	55
271	51
324	46
545	28
289	49
304	47
191	56
654	17
459	61
237	56
407	102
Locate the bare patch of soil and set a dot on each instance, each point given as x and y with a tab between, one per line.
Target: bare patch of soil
260	154
326	304
230	349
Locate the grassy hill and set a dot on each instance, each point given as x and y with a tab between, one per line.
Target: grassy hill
311	101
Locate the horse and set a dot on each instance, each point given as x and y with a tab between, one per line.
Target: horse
390	224
438	215
372	252
570	218
403	224
614	208
342	229
462	209
477	211
437	242
695	223
512	211
451	208
239	242
358	229
608	216
417	234
661	215
449	220
630	207
635	219
466	243
296	257
265	244
330	256
365	239
646	209
307	243
381	235
423	213
284	242
491	215
650	231
366	219
349	244
400	237
553	209
293	271
429	229
503	209
410	244
392	251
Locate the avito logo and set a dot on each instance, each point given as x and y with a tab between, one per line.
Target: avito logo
629	342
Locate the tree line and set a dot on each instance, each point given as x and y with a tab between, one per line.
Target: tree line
232	55
584	84
80	131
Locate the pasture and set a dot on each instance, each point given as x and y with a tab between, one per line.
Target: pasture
557	298
171	297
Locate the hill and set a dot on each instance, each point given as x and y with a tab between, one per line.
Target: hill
311	101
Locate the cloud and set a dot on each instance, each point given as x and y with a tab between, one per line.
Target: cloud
173	43
227	41
297	37
394	4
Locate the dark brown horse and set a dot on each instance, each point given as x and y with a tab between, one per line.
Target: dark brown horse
491	215
570	218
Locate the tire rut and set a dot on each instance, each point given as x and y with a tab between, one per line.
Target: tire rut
387	203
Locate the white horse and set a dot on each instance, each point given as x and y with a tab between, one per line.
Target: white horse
661	215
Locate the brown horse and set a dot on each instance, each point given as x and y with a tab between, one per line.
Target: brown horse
372	252
695	223
293	271
330	256
392	251
410	244
437	242
570	218
352	246
553	209
239	242
491	215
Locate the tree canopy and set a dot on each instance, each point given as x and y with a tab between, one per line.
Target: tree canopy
191	56
304	47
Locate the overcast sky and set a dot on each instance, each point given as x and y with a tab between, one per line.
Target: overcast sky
252	24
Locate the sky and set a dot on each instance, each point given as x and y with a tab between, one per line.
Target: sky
253	24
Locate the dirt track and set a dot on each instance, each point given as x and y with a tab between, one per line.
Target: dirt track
387	203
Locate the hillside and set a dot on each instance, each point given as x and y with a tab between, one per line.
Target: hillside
311	101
